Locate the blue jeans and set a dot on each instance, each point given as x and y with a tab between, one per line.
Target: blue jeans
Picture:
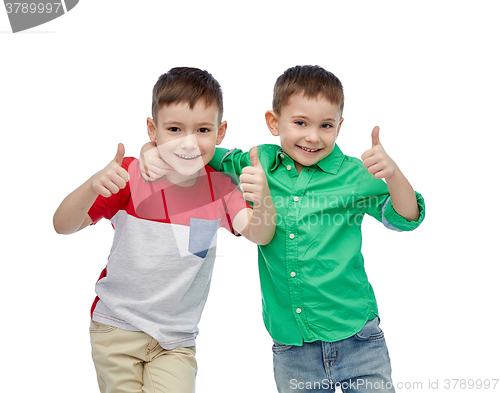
357	364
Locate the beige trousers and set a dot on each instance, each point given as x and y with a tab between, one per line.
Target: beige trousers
133	362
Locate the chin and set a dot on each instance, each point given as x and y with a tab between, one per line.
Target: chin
187	172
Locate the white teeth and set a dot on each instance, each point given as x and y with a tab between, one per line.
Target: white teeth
306	149
187	157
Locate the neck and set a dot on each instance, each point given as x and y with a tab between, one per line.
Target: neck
183	180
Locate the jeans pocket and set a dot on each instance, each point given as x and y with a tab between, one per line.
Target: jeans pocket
201	235
279	348
371	331
97	327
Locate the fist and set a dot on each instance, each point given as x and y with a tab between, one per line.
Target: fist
113	177
151	164
376	160
253	180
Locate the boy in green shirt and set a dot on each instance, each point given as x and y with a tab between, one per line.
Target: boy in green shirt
318	305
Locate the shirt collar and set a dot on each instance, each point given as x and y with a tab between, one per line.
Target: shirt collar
330	164
279	155
333	161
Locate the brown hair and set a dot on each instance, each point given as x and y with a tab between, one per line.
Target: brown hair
311	81
185	84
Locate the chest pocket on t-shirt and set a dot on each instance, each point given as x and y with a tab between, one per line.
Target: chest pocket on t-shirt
201	235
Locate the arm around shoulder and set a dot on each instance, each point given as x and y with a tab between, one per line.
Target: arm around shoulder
230	161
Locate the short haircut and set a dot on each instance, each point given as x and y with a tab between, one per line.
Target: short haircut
185	84
311	81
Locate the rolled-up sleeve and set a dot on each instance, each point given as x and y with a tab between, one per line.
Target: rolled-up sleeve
230	161
394	219
375	200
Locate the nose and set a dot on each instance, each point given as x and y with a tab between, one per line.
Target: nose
189	142
312	136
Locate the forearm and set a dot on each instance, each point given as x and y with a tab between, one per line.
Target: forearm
260	223
257	224
403	196
233	163
263	222
72	212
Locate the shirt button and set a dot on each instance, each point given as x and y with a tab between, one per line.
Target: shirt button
292	235
296	198
298	310
282	155
293	274
288	167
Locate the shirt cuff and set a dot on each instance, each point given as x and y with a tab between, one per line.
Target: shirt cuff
392	220
219	155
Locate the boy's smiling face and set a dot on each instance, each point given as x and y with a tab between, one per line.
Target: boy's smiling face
186	137
307	127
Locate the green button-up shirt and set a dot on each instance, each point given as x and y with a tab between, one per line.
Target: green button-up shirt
313	281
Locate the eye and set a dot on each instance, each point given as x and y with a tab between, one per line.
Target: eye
174	129
300	123
203	130
326	125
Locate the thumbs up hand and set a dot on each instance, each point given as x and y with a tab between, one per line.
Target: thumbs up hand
113	177
253	180
376	160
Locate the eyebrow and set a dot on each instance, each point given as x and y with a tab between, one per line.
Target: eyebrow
306	117
177	123
172	123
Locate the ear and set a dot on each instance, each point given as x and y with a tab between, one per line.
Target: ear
151	130
221	133
272	122
338	127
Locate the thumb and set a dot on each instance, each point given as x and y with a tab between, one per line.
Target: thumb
375	137
119	154
254	157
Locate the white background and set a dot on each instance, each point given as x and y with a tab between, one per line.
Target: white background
426	72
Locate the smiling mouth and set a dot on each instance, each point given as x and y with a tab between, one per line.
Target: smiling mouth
188	157
306	149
